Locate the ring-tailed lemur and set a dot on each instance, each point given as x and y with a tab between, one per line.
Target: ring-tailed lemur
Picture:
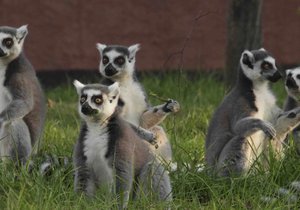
108	146
118	65
292	86
248	116
22	104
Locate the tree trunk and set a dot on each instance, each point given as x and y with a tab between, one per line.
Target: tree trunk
244	32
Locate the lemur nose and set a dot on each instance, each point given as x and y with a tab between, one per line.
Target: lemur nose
291	83
87	110
2	53
110	70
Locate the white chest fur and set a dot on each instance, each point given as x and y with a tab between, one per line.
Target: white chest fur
264	101
95	148
134	99
5	96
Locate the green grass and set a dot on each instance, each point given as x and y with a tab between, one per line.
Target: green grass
198	97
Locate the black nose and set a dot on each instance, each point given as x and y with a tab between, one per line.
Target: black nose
110	70
2	53
275	77
87	110
291	83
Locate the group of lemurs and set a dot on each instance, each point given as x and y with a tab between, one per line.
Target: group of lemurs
121	146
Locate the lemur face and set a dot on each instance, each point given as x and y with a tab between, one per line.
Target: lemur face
117	61
259	65
292	83
11	41
97	102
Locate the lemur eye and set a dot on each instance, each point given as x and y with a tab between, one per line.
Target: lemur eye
298	76
120	60
8	42
98	100
105	60
266	66
83	99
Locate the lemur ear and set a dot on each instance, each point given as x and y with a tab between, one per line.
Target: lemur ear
247	59
113	91
100	47
288	71
21	33
262	49
133	49
78	85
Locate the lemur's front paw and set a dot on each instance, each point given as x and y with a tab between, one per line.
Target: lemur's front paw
171	106
269	130
154	141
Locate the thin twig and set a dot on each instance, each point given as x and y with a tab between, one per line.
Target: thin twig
154	95
186	40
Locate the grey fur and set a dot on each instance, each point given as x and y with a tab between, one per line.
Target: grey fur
293	99
234	128
23	119
126	154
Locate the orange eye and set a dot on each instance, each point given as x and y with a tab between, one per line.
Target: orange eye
98	100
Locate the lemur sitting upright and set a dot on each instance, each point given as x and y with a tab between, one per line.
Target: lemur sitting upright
22	104
247	118
118	65
109	150
292	86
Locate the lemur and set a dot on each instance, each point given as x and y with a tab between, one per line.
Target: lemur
292	86
109	151
248	118
117	64
22	104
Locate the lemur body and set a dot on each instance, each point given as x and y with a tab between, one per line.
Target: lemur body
108	150
292	85
22	105
247	118
118	65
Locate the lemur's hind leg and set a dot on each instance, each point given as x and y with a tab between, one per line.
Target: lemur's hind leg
155	115
16	142
155	178
239	153
234	158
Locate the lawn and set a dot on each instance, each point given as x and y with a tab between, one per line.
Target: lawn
198	94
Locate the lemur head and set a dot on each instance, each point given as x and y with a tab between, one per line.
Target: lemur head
292	83
259	65
117	61
11	42
97	102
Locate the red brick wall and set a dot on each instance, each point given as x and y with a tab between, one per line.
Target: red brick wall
63	34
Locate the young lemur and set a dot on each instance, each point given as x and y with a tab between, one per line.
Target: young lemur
118	65
108	150
292	86
247	118
22	104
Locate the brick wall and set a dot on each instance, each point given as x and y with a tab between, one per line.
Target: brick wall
63	34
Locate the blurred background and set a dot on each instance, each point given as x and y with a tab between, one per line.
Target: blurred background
194	35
